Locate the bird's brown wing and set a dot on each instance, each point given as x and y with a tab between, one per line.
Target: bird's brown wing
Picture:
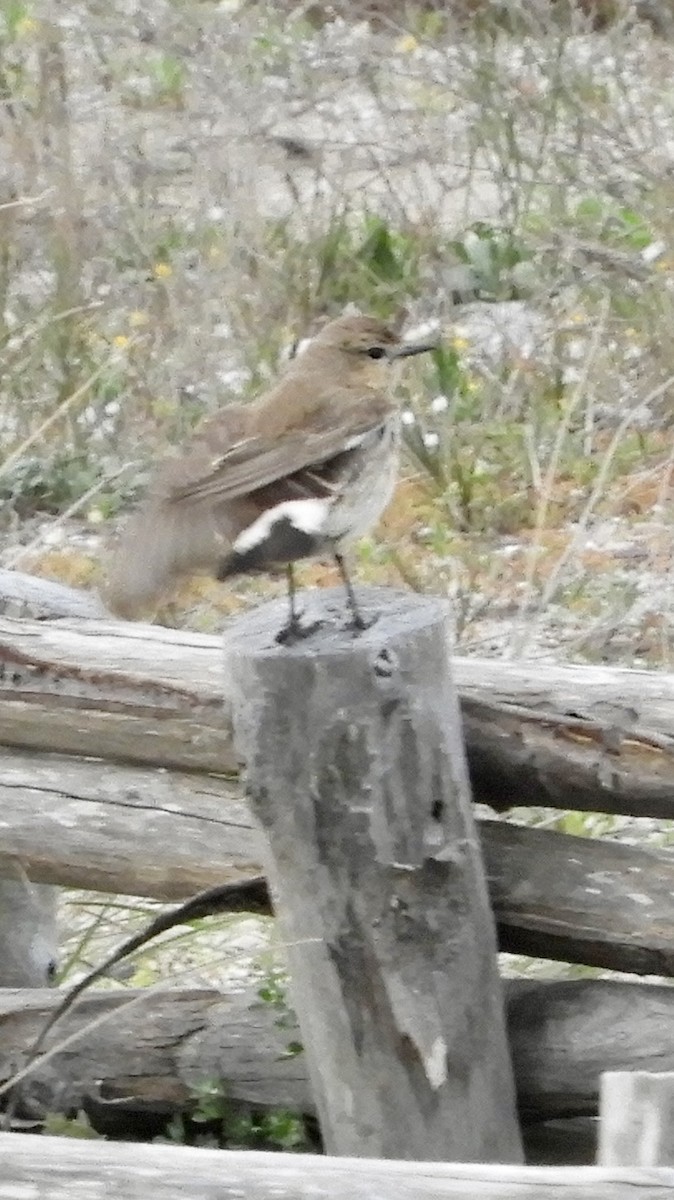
261	458
196	504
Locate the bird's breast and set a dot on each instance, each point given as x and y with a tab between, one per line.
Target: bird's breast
367	484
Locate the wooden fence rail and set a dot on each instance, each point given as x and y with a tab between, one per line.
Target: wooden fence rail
155	1047
596	738
37	1167
150	702
119	772
169	834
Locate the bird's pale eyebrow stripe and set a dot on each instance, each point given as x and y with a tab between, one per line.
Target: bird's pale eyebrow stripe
306	515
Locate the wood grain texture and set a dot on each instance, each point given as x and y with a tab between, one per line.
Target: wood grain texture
115	828
355	769
593	738
170	834
581	899
35	1168
28	936
637	1119
154	1047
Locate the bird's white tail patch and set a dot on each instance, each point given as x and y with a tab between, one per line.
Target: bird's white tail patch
309	516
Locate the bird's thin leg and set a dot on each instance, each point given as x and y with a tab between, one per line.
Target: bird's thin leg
358	621
294	631
294	617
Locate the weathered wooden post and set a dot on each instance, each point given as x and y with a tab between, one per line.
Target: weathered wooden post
636	1119
28	935
28	941
356	771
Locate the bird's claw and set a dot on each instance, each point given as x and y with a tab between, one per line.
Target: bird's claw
358	623
295	631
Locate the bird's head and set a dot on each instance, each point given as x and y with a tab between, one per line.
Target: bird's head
364	347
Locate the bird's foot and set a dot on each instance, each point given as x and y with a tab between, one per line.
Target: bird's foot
357	623
296	631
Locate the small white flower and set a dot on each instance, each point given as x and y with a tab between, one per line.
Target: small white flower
431	441
216	213
576	348
235	379
439	404
54	536
421	332
407	417
571	375
653	251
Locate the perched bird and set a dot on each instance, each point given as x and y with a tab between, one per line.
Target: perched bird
299	473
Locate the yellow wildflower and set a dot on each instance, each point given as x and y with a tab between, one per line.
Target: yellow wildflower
162	270
407	44
26	27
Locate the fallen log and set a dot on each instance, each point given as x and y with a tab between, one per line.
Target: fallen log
155	1048
586	737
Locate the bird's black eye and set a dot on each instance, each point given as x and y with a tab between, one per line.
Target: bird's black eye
376	352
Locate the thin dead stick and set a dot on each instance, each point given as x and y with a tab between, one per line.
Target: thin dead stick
88	1027
22	552
517	645
250	897
595	495
26	201
20	339
63	408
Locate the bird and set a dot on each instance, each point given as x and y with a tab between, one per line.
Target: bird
301	472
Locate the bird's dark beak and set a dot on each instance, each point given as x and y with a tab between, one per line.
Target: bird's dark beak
406	350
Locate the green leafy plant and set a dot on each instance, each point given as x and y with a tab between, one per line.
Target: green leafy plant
58	1125
168	75
617	224
501	265
215	1120
273	991
360	259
